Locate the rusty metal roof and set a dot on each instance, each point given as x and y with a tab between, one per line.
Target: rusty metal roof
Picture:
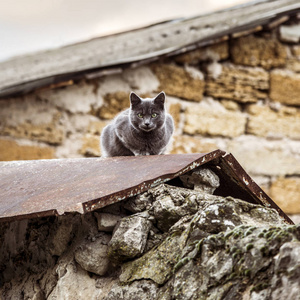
39	188
110	54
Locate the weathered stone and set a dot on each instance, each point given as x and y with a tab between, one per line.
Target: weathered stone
261	157
11	150
215	52
174	110
92	255
202	180
242	84
290	33
296	50
286	193
113	104
142	289
293	64
157	264
129	238
214	259
78	98
256	51
32	118
62	236
90	145
142	80
231	105
285	283
209	121
96	127
189	144
265	122
186	83
285	87
139	203
75	284
107	222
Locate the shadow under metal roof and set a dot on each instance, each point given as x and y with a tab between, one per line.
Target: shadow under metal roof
39	188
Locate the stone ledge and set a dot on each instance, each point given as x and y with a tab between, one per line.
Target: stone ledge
242	84
185	83
285	87
213	122
265	122
256	51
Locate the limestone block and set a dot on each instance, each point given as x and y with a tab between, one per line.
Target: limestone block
261	157
186	83
113	104
142	80
209	121
293	64
290	33
215	52
256	51
174	110
77	98
90	145
92	255
129	238
263	121
189	144
296	51
31	118
95	127
11	150
285	87
107	222
286	193
242	84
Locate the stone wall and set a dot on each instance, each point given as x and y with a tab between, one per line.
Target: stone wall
241	95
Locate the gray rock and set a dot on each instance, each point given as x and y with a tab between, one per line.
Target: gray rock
106	221
129	238
202	180
144	289
139	203
92	255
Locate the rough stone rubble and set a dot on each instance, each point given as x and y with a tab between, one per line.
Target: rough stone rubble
167	243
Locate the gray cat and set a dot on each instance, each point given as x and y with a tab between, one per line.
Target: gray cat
143	129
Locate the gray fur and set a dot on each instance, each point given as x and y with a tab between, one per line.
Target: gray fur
143	129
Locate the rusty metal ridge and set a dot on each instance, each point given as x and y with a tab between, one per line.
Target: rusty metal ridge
54	187
145	185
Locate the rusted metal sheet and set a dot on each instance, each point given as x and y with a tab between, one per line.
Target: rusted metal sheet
54	187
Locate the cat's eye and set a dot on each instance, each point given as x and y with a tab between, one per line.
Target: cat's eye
140	115
154	115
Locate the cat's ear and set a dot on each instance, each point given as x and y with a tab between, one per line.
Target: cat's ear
160	99
134	99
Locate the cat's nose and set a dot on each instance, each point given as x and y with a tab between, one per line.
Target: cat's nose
147	123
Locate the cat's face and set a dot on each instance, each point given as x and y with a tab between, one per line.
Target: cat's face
147	114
